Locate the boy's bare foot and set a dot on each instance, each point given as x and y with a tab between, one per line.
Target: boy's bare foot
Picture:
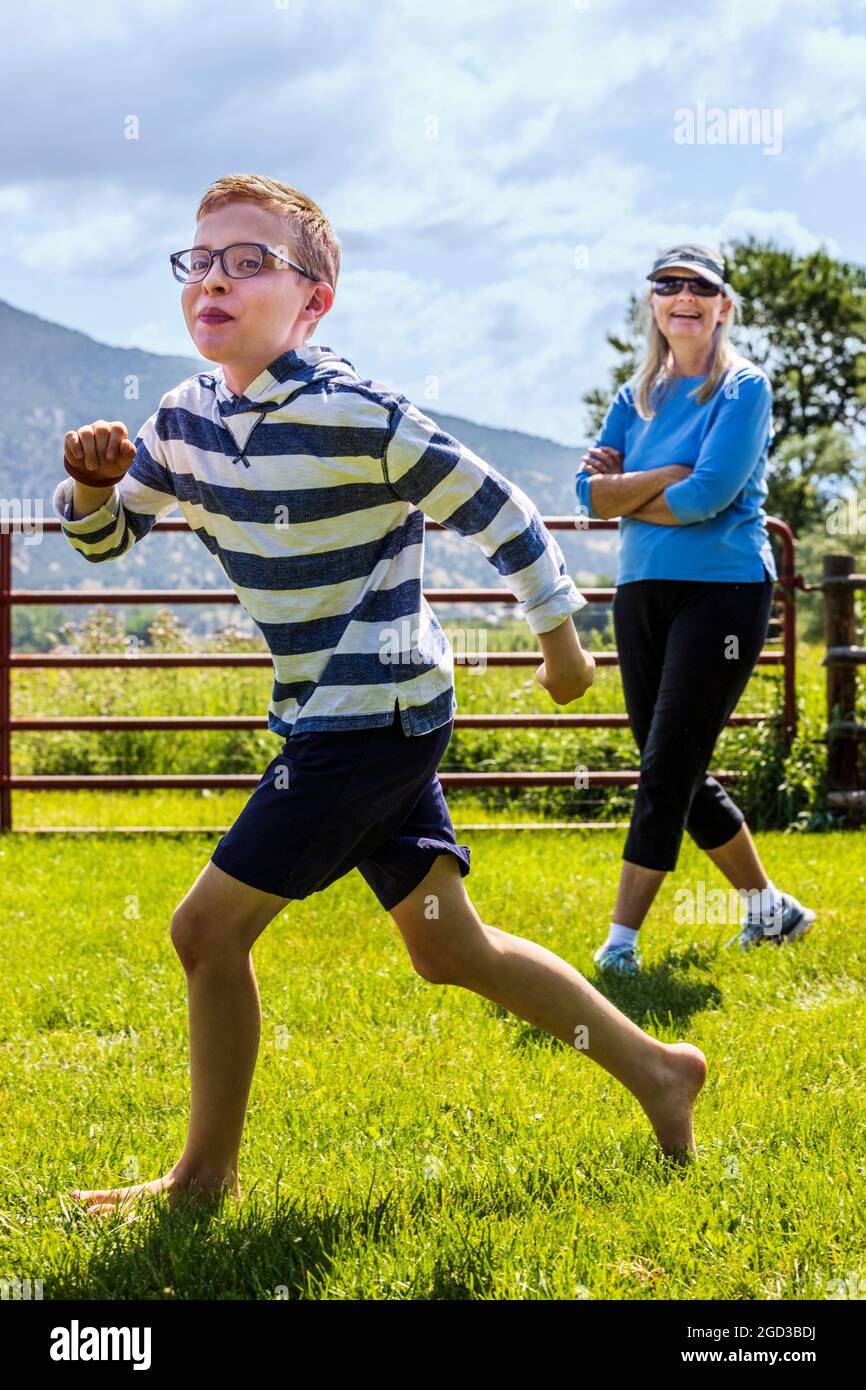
668	1105
116	1201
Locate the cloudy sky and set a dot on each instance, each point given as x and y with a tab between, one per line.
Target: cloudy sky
500	174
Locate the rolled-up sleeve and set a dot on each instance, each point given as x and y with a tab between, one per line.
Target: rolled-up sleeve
448	482
584	495
729	453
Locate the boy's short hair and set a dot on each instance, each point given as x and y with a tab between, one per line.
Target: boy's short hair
311	235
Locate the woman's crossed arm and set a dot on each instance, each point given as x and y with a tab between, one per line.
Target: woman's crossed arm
614	493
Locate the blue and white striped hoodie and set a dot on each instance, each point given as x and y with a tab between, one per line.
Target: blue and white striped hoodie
311	490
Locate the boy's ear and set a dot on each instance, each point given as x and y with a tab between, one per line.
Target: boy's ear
329	300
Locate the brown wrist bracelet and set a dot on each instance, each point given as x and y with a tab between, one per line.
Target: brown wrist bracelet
87	479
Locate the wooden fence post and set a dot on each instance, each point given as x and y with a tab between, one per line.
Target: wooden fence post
841	661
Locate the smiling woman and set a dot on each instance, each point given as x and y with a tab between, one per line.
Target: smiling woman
680	459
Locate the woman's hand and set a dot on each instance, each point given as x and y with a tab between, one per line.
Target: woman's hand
604	459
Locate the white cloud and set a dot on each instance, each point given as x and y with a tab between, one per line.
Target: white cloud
846	143
825	82
779	225
15	200
464	154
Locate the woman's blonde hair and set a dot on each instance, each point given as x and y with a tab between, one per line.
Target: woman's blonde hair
312	236
653	372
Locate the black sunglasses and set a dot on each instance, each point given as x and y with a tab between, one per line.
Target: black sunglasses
672	284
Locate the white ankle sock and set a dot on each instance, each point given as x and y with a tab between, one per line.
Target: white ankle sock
764	903
621	936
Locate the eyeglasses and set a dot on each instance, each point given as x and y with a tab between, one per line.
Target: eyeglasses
672	284
239	261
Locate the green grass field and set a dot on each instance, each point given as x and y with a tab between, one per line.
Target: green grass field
413	1141
407	1140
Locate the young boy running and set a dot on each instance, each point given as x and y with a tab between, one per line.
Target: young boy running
310	487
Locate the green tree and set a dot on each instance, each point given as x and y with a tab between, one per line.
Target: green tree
803	319
35	628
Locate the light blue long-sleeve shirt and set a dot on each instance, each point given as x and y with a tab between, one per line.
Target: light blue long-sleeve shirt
722	535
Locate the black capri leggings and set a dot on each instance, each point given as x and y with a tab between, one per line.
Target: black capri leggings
686	649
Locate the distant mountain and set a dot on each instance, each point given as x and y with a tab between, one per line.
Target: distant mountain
54	379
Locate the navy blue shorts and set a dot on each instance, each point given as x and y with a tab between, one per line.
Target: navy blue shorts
369	799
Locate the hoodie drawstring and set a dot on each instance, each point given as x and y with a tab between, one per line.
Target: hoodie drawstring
242	456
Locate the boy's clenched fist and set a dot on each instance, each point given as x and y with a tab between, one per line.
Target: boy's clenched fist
98	455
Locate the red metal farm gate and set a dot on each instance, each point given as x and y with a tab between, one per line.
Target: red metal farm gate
784	595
